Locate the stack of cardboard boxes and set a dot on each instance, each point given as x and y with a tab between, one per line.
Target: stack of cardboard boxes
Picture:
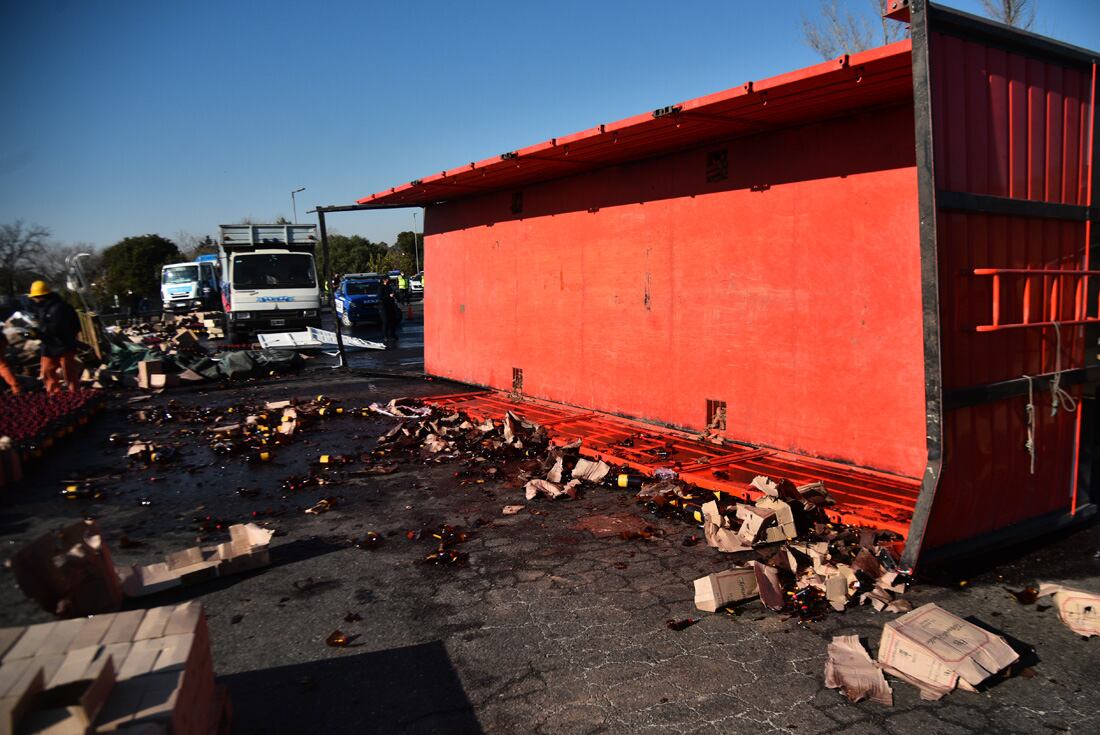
246	550
212	322
109	672
151	376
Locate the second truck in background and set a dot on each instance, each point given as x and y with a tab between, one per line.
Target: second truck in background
268	279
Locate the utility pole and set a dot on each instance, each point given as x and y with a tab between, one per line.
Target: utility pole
416	248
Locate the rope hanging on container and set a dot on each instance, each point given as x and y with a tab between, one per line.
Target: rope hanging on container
1030	443
1057	394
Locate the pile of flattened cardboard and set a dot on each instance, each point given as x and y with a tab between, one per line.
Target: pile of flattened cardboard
148	670
929	647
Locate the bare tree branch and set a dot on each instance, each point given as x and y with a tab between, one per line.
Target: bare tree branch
20	245
1018	13
52	263
836	30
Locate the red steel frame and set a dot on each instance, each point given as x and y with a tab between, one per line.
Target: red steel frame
885	253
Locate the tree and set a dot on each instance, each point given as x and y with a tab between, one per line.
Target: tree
133	264
408	251
1018	13
352	254
192	245
52	264
20	246
838	31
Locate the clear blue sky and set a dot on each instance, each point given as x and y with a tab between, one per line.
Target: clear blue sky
121	118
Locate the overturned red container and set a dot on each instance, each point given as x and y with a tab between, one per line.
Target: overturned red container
876	268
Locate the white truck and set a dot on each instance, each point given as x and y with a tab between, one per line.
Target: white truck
187	287
269	279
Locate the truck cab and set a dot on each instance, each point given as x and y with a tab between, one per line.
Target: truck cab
269	279
187	287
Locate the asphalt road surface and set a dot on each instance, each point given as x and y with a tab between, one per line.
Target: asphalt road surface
544	629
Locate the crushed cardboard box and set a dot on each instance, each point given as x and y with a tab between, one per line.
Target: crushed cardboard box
937	651
724	588
551	490
590	471
1078	609
717	532
850	669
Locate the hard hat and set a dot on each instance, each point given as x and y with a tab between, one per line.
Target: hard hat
39	288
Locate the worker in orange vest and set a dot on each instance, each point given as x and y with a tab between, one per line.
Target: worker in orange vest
58	326
5	370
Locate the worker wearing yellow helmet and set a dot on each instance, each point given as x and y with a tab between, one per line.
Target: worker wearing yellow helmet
58	327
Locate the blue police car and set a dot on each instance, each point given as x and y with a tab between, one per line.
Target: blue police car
357	299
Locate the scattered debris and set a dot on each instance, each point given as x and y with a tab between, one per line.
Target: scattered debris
69	572
1078	609
589	471
1026	596
339	639
850	669
246	550
936	651
769	587
717	531
678	625
371	541
551	490
723	588
511	510
324	505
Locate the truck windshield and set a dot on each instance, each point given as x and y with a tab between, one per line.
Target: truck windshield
359	288
180	274
289	270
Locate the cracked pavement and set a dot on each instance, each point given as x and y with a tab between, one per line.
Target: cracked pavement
546	628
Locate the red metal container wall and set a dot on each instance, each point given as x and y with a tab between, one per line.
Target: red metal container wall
1009	126
791	291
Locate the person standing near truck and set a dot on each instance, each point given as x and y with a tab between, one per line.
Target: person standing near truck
58	327
403	286
388	311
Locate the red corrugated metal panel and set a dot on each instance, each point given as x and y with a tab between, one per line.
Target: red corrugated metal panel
879	76
1010	125
791	290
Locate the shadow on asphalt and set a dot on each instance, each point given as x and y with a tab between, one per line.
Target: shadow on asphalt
1072	554
282	555
414	689
1028	656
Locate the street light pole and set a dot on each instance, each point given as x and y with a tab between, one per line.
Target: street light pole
416	248
294	204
